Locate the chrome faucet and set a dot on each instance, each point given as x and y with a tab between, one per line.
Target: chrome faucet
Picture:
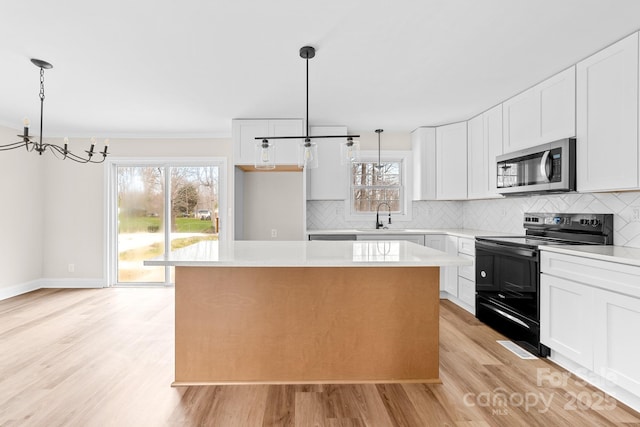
378	223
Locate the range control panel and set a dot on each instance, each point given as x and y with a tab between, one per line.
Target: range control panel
567	221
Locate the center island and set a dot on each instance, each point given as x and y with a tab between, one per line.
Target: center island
287	312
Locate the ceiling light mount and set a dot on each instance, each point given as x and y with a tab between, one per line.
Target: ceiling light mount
307	52
308	151
41	64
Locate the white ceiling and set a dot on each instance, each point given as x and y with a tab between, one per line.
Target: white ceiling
154	68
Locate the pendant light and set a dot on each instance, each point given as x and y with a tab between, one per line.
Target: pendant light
308	150
379	165
349	151
265	155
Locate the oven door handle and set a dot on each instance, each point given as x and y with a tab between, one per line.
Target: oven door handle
505	314
497	248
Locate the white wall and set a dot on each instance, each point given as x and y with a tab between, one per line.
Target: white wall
21	216
54	211
388	140
273	201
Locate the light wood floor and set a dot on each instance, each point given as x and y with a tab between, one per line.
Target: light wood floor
105	358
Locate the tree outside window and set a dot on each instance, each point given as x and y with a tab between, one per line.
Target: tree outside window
372	184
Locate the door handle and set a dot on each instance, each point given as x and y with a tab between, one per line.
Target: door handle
545	165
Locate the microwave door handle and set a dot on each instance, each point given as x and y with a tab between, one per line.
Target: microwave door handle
545	165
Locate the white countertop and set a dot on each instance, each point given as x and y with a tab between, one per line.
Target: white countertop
619	254
460	232
308	254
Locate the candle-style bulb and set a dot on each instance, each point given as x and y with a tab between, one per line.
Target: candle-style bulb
26	122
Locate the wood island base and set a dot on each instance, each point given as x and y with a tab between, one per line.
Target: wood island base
287	325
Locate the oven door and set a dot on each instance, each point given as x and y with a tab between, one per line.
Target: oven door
508	275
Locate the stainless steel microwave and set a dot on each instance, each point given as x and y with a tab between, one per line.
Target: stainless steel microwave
542	169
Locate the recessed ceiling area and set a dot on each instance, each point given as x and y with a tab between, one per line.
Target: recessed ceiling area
185	69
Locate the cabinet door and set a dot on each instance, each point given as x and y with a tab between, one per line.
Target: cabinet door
521	116
436	241
467	292
566	318
329	181
542	114
451	161
478	161
287	149
617	349
244	142
423	146
493	131
439	242
450	281
607	118
558	106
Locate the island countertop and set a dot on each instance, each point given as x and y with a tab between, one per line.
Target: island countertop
307	254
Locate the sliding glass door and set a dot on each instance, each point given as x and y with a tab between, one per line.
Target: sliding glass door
159	208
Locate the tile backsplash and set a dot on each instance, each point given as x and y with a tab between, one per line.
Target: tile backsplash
504	215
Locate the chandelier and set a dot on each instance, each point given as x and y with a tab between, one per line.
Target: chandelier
308	150
37	145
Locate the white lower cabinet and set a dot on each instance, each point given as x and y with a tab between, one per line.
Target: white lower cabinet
458	284
617	328
565	318
590	318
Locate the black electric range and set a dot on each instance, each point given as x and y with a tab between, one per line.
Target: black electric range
508	270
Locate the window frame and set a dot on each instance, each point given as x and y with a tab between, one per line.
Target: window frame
402	157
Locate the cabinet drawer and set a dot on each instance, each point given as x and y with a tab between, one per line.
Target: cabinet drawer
467	246
611	276
468	271
467	291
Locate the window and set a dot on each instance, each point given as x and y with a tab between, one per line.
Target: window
372	184
157	207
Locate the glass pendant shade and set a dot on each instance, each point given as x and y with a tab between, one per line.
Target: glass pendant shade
349	151
265	155
308	155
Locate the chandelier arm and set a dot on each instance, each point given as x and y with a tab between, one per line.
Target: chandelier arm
12	146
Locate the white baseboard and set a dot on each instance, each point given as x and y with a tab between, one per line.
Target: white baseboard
34	285
606	385
73	283
470	308
19	289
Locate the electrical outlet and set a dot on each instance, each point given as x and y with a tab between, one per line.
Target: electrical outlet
635	214
274	232
71	268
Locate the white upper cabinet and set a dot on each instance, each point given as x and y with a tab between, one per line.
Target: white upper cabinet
423	146
484	144
478	160
329	181
451	161
541	114
245	131
607	118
